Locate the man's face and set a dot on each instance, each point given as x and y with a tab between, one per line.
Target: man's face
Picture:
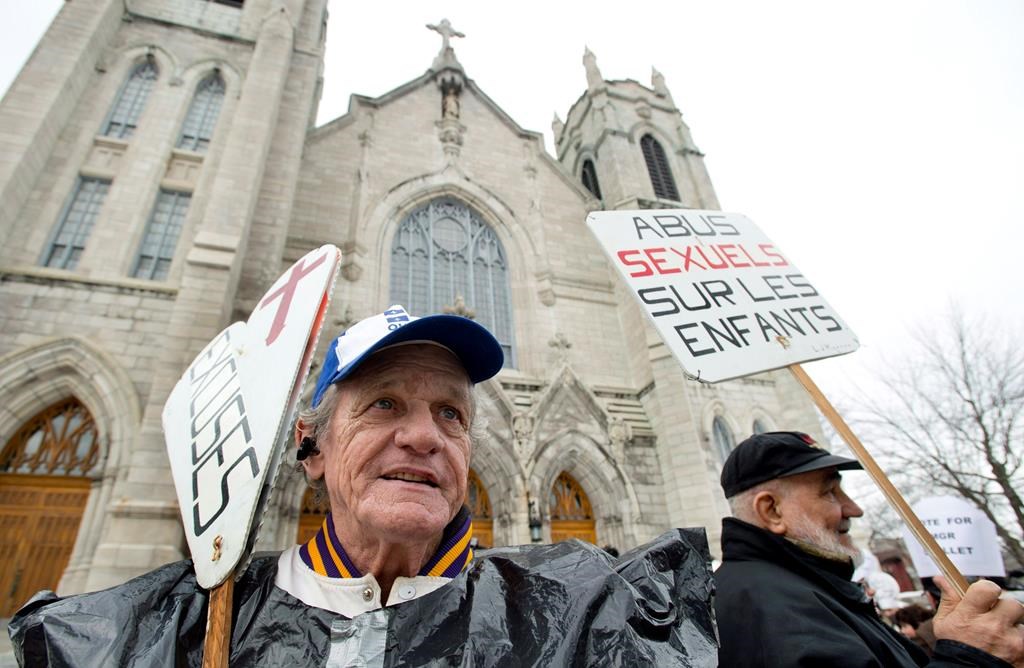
817	510
395	457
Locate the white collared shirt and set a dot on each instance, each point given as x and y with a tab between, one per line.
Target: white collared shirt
346	596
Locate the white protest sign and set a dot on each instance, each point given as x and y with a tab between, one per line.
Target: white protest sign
962	531
723	297
226	417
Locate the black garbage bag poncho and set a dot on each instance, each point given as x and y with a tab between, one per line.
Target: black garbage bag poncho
567	604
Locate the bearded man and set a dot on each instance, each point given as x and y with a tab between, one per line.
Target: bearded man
784	595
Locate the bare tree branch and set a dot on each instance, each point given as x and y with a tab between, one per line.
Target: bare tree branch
950	422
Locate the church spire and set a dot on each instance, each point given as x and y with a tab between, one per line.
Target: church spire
658	82
557	126
594	78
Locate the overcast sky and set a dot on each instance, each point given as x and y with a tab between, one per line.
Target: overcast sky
879	144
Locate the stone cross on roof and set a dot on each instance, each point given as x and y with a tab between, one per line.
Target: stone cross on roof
447	32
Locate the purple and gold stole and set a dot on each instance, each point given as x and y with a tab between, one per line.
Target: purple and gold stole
325	555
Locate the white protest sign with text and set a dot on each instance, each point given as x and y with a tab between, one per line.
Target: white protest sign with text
226	416
962	531
723	297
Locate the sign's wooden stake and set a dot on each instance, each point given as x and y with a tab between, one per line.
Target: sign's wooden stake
218	624
892	494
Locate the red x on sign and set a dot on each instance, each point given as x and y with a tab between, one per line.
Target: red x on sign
285	292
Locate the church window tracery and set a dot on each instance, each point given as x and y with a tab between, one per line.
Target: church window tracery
161	238
658	169
444	254
69	237
124	115
568	500
570	511
201	119
59	440
589	177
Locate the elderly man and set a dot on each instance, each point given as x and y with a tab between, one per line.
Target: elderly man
390	578
387	439
784	595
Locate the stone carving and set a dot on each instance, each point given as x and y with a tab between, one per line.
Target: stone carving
594	78
561	344
522	432
445	29
620	432
460	308
450	105
658	83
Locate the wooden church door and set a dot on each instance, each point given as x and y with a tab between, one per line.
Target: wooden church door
43	492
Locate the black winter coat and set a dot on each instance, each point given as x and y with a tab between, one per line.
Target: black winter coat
779	606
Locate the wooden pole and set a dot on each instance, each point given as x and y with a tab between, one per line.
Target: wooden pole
893	495
218	624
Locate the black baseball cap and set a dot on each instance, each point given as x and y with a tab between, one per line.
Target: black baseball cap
776	454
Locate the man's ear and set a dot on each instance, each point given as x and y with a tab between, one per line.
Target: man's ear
313	462
768	510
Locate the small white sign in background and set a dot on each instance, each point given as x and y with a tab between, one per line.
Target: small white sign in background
962	531
723	297
226	416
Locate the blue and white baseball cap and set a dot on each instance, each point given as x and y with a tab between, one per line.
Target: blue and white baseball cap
477	349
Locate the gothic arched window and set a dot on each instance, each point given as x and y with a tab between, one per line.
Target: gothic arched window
589	177
124	115
658	169
59	440
444	254
722	436
570	511
197	129
760	426
568	501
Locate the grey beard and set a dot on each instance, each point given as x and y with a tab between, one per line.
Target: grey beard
803	530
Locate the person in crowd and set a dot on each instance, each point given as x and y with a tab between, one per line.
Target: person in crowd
884	591
913	621
784	595
390	577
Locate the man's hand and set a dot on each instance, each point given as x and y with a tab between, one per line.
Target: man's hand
981	619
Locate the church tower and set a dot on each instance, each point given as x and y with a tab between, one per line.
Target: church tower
150	153
629	146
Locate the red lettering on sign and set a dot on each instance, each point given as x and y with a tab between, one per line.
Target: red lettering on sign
624	256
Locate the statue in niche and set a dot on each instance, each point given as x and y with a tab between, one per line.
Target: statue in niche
450	106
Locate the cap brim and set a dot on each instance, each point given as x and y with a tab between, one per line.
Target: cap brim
841	463
477	349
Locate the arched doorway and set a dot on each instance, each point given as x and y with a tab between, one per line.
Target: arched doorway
480	508
570	511
43	492
311	517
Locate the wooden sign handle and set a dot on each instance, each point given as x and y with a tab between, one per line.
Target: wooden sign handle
892	494
218	624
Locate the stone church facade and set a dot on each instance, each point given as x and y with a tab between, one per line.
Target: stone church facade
160	167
